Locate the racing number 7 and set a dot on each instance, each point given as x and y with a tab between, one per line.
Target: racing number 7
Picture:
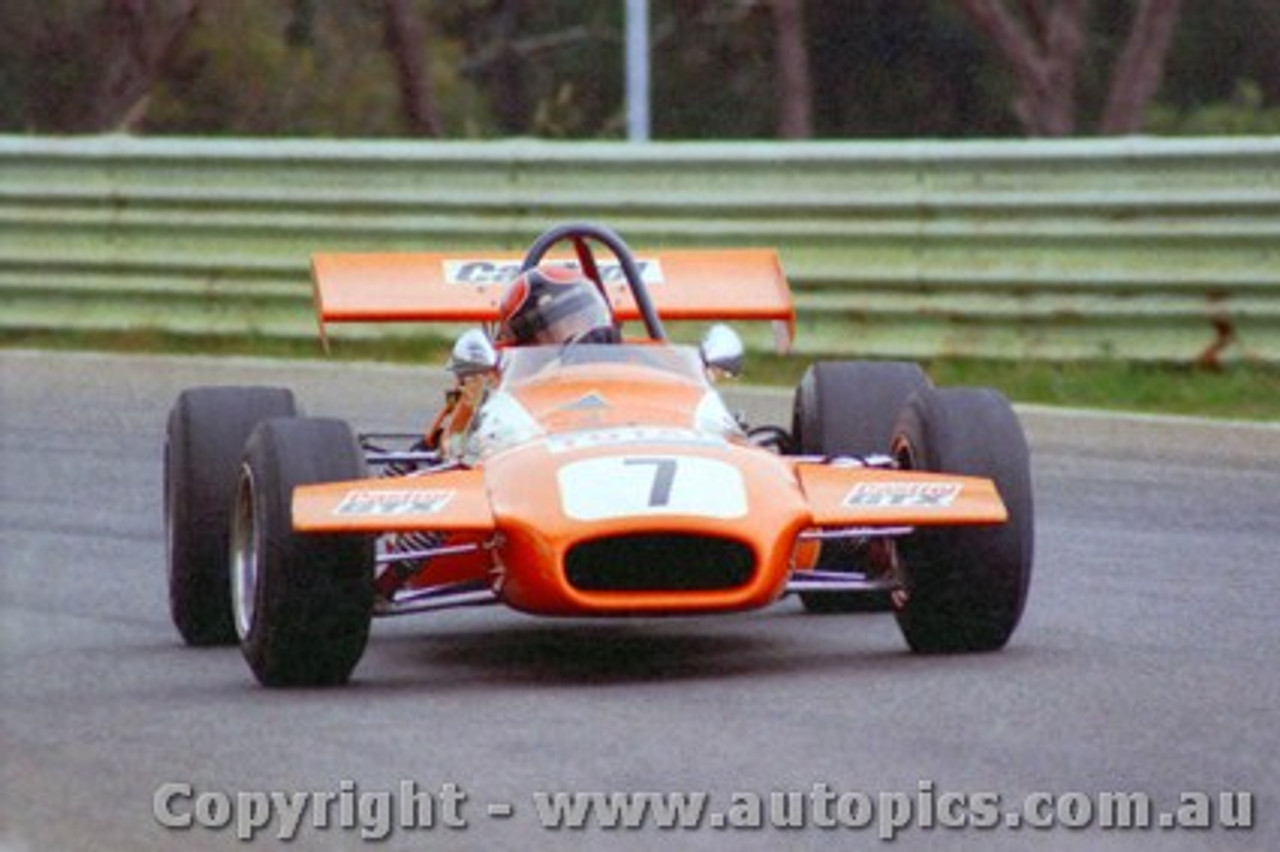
664	474
632	486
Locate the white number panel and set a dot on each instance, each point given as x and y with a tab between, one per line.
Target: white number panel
629	486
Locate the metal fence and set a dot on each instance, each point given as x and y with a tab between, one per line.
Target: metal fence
1118	248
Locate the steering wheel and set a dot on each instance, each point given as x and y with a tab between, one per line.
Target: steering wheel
578	233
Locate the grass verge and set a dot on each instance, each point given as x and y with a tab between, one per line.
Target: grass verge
1246	391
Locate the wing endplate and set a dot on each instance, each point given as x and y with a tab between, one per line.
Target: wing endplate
453	501
728	284
851	497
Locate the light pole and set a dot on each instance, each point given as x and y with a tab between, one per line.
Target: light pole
638	70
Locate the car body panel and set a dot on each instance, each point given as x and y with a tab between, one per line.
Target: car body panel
618	449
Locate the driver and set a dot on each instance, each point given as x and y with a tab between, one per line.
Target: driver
554	304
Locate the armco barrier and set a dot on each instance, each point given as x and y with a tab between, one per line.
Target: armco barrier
1119	248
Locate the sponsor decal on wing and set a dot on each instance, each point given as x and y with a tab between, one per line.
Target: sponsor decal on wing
386	504
894	495
486	271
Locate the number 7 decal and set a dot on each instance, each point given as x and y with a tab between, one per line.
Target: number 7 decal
664	474
631	486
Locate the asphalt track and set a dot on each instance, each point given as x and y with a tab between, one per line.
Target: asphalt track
1146	661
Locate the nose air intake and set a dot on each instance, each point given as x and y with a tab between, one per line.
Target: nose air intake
659	562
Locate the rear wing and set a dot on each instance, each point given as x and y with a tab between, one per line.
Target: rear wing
729	284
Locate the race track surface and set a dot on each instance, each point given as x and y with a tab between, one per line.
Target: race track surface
1146	664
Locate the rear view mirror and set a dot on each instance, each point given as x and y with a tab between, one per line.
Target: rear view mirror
473	354
722	351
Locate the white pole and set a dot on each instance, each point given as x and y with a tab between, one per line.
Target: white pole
638	70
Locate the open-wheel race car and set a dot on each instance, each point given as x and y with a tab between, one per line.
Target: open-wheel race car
590	475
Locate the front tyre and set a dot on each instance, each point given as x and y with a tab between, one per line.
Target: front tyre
965	586
302	602
204	440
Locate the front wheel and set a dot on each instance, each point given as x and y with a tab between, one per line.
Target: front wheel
302	602
965	586
204	439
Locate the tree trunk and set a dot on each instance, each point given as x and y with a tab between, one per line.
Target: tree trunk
118	53
407	43
1138	72
795	88
1043	48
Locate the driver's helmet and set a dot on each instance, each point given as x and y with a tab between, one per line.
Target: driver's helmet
554	305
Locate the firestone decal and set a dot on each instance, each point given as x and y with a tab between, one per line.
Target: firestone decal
892	495
485	272
385	504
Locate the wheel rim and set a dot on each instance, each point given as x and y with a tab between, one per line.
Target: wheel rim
244	555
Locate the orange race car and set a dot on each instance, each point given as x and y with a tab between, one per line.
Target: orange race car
576	471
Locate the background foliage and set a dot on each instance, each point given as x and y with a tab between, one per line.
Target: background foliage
554	68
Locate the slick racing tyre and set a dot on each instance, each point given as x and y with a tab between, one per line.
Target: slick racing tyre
204	440
302	602
965	586
848	408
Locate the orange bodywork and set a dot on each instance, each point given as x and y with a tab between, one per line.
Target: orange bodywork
578	476
608	435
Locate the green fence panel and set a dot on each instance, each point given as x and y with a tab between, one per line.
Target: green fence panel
1132	248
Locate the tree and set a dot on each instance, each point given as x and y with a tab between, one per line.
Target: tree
795	91
716	69
1042	42
406	41
548	68
1222	76
92	65
908	68
1141	66
1045	41
721	68
361	68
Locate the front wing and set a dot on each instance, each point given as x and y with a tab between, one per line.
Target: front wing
457	501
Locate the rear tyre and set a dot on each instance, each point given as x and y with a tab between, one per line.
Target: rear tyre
302	602
205	437
965	587
848	408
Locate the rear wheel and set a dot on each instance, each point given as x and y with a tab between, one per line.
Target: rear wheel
205	437
302	602
848	408
965	586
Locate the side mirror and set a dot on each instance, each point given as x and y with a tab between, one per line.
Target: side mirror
722	351
473	355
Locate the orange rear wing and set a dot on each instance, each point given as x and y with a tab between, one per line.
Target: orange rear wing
729	284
